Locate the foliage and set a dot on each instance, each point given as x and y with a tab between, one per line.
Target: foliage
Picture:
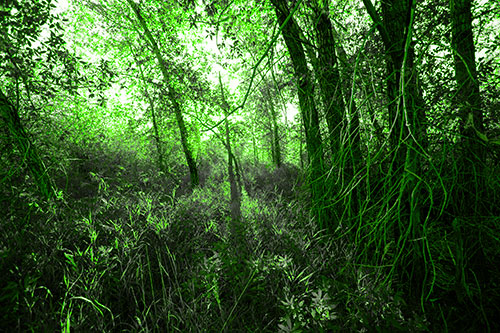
380	216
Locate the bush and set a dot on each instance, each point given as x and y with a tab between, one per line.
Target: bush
262	180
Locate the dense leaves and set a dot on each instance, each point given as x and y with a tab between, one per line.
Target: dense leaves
266	165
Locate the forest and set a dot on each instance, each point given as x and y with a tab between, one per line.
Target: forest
249	166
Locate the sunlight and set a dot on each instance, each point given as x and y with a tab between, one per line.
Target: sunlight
132	200
61	7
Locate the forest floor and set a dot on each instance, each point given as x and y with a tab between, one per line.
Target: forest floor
124	248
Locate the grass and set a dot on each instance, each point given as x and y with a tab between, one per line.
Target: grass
135	253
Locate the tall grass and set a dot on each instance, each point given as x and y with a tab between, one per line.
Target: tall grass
135	258
137	253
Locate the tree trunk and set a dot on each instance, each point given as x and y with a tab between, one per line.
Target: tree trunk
159	148
291	34
235	195
173	97
406	116
275	139
470	192
237	231
329	80
345	144
346	74
254	145
470	110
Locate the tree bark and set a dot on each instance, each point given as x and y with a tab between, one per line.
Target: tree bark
275	144
291	34
254	145
235	193
470	109
329	80
407	132
470	190
345	144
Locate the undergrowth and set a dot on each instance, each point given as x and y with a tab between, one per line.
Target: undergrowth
131	254
136	251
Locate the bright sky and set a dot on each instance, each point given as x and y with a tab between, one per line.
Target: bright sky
61	6
208	45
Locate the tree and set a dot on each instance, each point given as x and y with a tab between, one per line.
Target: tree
343	123
237	229
406	117
268	104
468	100
471	188
159	148
172	95
328	76
21	24
291	34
